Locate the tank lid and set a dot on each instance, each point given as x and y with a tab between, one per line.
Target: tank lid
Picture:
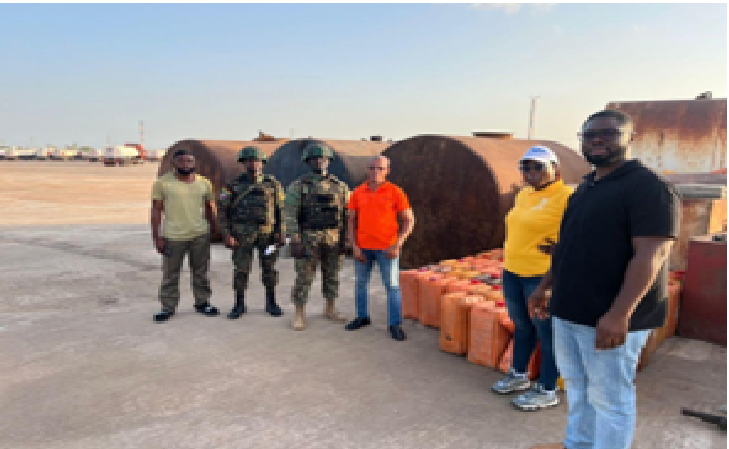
493	134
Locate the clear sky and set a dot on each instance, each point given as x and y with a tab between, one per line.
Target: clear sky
87	73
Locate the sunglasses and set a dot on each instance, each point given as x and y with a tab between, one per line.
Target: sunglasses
601	133
377	168
536	166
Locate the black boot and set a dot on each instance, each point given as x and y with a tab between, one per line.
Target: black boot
240	306
271	307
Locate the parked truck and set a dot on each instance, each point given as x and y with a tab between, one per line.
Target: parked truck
95	155
62	154
121	155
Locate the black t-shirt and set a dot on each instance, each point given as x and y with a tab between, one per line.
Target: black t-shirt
595	246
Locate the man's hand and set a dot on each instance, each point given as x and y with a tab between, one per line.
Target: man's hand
548	247
611	331
229	241
358	254
280	240
539	304
393	251
159	244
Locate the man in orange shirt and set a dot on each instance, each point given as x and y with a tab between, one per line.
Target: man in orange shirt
373	227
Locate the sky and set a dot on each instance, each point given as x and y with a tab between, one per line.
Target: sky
89	73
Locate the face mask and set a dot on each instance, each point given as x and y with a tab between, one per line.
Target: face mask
186	172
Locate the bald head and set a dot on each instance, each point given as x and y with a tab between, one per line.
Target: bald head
378	169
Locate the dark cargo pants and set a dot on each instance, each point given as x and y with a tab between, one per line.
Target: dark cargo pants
198	250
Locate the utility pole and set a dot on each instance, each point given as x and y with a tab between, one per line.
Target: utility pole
141	133
532	111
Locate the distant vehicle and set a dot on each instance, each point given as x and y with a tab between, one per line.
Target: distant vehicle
11	153
25	153
95	155
42	153
156	154
59	154
2	152
121	155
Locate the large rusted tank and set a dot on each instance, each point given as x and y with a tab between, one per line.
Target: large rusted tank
215	159
349	165
678	136
461	188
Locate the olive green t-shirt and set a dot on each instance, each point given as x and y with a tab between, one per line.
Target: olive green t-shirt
183	205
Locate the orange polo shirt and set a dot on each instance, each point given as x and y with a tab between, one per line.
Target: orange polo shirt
377	214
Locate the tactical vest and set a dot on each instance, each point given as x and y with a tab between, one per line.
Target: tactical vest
254	203
322	204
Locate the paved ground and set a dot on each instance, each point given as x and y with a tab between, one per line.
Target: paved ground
84	366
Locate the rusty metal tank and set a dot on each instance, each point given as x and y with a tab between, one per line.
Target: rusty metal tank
461	188
679	136
215	159
349	165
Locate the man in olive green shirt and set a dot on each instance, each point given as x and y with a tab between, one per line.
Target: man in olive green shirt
185	199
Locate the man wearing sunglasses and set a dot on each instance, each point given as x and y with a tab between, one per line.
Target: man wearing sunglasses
609	283
374	209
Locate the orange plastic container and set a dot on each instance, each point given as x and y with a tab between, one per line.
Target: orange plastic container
674	298
505	321
489	338
431	292
459	285
480	289
450	325
534	362
410	291
497	293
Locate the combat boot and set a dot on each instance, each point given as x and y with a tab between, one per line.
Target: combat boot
239	308
299	322
271	307
331	312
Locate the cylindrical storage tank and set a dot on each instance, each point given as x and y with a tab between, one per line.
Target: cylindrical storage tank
214	159
461	188
349	165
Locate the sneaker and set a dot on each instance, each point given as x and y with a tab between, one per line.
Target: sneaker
163	316
536	399
357	323
207	309
511	383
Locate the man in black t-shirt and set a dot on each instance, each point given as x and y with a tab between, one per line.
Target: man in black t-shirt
609	283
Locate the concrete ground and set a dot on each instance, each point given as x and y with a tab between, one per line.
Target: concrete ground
84	367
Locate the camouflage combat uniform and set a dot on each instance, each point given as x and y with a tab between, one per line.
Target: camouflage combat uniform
251	210
316	211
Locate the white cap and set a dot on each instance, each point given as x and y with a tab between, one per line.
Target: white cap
540	154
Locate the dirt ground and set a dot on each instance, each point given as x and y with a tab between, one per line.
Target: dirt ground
74	192
84	367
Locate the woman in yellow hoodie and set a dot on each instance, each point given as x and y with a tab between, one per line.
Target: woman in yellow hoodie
532	229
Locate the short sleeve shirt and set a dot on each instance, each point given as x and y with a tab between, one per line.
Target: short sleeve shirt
183	206
595	245
377	212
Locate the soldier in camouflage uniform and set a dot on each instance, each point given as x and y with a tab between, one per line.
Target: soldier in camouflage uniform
316	223
251	216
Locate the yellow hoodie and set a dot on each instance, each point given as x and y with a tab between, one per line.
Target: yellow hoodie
535	217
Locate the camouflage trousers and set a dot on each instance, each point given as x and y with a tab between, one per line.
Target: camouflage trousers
331	264
243	262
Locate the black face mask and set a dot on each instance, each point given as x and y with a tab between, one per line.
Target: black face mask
252	171
185	172
615	154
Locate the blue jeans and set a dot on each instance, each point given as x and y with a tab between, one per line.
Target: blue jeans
389	271
599	385
517	290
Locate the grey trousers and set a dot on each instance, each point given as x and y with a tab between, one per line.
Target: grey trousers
198	250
